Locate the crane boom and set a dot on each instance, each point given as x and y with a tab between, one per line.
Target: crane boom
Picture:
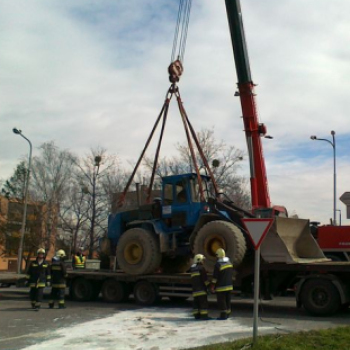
253	129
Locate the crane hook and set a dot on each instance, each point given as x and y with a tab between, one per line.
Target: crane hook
175	71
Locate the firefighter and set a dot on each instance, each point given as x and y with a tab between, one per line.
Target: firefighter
58	279
78	260
222	283
200	282
38	276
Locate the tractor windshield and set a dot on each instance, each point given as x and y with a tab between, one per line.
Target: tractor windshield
195	193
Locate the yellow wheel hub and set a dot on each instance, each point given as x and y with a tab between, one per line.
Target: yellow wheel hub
133	253
213	243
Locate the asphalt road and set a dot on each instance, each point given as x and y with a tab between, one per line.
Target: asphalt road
20	326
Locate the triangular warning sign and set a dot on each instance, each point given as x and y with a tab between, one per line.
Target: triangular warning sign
257	229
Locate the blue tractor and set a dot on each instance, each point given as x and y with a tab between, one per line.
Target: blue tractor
163	235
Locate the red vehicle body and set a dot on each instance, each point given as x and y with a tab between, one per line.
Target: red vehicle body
333	240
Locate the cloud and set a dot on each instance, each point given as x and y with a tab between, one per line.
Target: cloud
89	73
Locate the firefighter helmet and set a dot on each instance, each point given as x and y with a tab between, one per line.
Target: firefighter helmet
220	253
40	251
61	253
199	258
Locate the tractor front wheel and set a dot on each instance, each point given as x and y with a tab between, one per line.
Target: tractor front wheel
220	234
138	252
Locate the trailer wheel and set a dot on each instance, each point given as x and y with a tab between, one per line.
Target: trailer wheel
146	293
114	291
138	252
220	234
320	297
82	290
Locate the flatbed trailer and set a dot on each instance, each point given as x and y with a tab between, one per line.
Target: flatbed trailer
11	278
117	286
321	288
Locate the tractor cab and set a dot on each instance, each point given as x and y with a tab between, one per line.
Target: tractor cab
181	200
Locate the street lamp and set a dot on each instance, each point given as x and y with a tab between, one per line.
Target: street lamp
97	160
20	249
313	137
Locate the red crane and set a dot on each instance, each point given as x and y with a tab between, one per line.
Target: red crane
253	129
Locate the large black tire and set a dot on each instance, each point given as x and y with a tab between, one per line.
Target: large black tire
82	290
220	234
320	297
176	264
138	252
114	291
146	293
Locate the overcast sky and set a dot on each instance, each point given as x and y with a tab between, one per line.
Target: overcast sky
89	73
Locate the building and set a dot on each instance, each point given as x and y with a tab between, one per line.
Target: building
41	230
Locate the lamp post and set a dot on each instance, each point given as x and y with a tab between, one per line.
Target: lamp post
93	216
24	219
332	143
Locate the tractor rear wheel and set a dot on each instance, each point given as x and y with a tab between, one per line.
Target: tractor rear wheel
220	234
138	252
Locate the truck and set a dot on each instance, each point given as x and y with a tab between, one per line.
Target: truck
333	240
153	244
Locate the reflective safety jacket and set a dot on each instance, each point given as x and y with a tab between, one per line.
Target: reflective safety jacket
38	274
222	275
58	274
79	261
199	280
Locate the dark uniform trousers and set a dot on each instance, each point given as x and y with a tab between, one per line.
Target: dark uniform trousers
224	303
37	275
222	278
199	291
58	275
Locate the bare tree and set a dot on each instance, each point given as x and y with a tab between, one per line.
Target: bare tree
98	177
51	173
74	216
225	160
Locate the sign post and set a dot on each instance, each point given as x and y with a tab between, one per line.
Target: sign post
257	230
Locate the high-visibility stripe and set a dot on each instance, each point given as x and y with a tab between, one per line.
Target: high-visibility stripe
207	283
56	268
195	274
224	288
204	312
214	280
40	285
197	294
225	267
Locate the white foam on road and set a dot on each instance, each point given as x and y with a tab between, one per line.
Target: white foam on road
146	329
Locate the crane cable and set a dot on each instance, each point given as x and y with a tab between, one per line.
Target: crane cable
180	39
183	19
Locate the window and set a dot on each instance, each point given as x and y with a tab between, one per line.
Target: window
181	196
168	194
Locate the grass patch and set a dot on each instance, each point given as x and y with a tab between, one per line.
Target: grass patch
329	339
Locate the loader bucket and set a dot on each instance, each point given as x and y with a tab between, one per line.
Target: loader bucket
290	241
